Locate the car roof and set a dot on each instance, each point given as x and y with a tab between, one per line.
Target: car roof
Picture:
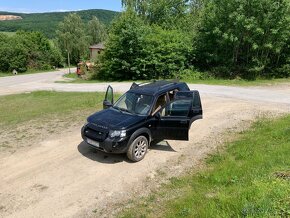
157	87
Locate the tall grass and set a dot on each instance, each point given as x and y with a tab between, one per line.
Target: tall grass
250	179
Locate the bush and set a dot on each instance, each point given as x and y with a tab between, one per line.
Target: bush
191	75
27	50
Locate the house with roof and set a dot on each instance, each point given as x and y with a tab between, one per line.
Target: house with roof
96	49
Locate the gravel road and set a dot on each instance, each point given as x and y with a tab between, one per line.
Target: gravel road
63	177
46	81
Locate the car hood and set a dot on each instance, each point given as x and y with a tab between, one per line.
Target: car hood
114	119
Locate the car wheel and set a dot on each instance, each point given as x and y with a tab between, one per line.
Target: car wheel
138	149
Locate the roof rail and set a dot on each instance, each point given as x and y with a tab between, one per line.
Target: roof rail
135	85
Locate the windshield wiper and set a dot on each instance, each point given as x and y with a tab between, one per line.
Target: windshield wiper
122	109
126	110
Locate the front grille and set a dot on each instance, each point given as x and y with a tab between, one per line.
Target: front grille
96	135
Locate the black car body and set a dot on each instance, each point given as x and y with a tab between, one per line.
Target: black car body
155	111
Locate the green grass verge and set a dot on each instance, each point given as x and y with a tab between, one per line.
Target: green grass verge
237	82
76	79
251	178
15	109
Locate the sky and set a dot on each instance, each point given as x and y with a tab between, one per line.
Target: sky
31	6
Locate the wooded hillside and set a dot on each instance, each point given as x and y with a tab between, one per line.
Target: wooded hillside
47	22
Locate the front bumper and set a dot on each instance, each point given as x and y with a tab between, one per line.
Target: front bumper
116	145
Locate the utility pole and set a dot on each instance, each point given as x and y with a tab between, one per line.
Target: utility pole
68	60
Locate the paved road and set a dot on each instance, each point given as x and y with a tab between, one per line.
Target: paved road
46	81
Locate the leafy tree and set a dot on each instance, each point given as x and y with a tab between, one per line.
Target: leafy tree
27	50
96	31
124	48
166	53
167	13
72	38
244	38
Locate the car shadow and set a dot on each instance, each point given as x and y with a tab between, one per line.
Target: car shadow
100	156
161	146
107	158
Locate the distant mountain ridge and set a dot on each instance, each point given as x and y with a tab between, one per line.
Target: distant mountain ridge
47	22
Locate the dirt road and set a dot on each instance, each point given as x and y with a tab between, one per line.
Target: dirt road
63	177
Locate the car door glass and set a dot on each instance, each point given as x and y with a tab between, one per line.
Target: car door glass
161	101
179	108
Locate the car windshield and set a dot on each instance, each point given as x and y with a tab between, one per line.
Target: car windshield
134	103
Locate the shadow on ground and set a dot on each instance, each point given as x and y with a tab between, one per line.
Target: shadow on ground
99	156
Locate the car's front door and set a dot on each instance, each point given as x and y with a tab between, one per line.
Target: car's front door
173	121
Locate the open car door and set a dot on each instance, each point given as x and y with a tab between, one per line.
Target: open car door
175	119
109	98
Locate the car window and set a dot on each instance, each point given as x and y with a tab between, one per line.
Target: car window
134	103
161	101
179	107
171	94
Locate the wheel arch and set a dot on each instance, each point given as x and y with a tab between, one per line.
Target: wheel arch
142	131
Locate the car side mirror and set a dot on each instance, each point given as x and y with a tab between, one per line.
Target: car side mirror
107	104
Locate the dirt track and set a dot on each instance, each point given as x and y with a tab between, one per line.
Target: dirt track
63	177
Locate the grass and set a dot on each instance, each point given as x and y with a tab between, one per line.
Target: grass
224	82
76	79
15	109
27	119
239	82
251	178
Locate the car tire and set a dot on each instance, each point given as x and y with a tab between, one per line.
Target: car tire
138	149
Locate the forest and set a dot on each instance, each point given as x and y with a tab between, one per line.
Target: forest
47	22
161	39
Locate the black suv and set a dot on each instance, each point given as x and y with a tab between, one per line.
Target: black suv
147	112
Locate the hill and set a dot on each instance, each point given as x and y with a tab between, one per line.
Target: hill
47	22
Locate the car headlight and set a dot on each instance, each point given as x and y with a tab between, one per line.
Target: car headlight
117	133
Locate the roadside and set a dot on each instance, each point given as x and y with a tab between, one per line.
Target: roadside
47	81
73	78
249	177
57	175
9	74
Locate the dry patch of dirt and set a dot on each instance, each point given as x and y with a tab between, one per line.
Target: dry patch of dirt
31	133
61	176
9	17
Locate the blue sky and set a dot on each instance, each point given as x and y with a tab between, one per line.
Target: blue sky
30	6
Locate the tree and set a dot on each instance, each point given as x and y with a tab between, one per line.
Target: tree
27	50
167	13
124	48
96	31
244	38
166	53
72	38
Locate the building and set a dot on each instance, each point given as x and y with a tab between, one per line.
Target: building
95	50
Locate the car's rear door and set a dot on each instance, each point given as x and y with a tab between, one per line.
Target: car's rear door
196	111
175	119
